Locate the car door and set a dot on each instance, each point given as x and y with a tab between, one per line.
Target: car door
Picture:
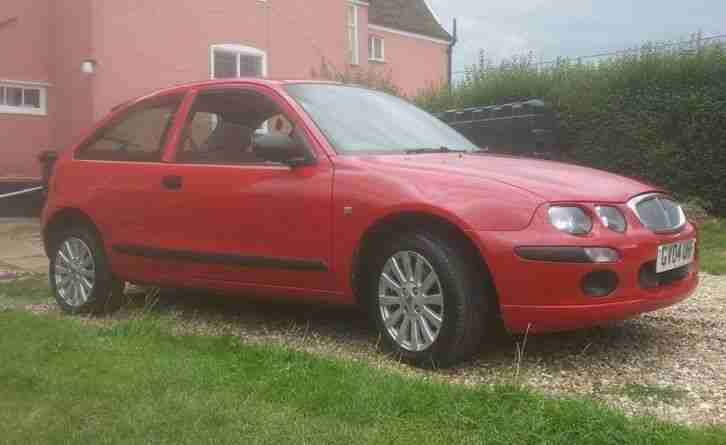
122	168
237	218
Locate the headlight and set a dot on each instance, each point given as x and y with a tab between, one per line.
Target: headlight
570	219
612	218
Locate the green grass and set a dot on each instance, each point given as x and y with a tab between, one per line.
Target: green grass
33	289
657	393
713	246
63	382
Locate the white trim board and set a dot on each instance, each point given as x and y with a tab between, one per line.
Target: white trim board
355	55
22	111
433	13
27	83
408	34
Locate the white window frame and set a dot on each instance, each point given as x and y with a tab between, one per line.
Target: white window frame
355	29
40	87
372	48
238	50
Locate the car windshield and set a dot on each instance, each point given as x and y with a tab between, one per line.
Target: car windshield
359	120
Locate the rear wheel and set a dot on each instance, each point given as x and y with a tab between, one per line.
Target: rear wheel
80	278
426	300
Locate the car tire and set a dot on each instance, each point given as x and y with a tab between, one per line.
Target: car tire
80	277
441	331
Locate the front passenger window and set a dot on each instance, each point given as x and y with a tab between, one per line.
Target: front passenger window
223	127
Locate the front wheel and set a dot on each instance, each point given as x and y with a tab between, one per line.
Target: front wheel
427	302
80	278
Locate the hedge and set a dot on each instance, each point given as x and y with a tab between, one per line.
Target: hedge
658	116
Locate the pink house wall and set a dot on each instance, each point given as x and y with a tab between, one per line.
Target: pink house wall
413	63
141	46
168	42
302	36
23	136
70	107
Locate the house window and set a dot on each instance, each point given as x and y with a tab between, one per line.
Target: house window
353	42
376	49
22	98
229	61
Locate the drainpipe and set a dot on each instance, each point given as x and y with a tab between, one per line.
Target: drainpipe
450	55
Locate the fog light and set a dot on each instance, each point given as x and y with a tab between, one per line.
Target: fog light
602	254
600	283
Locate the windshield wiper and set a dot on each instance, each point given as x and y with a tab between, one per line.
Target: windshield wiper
442	149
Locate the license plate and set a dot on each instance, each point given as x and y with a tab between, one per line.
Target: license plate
675	255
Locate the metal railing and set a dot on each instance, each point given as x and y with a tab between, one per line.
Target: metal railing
22	192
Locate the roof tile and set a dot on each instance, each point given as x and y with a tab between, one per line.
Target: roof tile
406	15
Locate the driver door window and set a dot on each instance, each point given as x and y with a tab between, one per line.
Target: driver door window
222	128
212	139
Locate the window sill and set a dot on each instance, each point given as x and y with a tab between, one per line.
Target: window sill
379	61
22	111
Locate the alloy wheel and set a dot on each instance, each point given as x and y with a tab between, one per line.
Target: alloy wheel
411	300
74	272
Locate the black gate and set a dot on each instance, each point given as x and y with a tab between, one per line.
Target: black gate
525	128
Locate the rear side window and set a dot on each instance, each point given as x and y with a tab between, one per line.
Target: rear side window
138	135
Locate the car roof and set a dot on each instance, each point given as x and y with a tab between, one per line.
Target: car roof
181	88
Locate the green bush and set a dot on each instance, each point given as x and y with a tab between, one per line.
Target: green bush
376	78
659	116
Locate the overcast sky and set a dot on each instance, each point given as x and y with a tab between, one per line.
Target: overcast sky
552	28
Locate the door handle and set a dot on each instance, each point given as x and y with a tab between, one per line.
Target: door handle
172	182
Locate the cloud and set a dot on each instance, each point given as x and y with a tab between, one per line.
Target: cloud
572	28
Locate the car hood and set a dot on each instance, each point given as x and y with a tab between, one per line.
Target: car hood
549	180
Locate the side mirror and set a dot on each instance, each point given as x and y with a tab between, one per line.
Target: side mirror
281	148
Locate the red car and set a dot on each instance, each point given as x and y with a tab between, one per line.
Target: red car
325	192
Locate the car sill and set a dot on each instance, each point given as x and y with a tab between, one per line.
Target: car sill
222	258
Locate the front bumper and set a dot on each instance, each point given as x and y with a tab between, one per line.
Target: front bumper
541	296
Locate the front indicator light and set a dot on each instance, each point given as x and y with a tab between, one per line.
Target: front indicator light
602	254
568	254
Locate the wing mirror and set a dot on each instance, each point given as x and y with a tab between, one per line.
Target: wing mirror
281	148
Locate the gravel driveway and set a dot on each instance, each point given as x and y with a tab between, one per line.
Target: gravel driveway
670	364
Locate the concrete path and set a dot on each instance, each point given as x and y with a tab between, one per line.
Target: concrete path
21	248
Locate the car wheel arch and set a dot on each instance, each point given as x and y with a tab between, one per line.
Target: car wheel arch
64	219
403	221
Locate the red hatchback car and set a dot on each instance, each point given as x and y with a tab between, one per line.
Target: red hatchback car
326	192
